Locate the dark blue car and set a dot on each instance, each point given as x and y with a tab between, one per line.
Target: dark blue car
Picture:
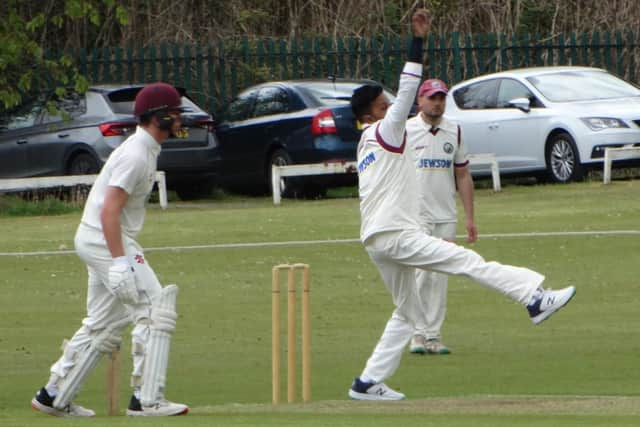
288	122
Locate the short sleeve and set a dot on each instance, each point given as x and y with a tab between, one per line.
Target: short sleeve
462	156
127	172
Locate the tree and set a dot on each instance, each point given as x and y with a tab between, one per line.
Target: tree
26	68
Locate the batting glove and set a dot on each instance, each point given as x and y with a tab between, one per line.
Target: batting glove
122	282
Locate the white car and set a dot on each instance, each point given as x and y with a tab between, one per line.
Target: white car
553	121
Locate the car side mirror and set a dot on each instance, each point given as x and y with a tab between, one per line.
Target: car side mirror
522	104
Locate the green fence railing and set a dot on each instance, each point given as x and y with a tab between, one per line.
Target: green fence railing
215	72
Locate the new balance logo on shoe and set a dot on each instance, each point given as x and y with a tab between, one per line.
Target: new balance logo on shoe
546	302
373	391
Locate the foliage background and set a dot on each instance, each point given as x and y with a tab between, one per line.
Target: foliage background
99	23
28	30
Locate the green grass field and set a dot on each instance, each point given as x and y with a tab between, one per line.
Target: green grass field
578	369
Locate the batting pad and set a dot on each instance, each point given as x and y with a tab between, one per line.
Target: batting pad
163	317
103	342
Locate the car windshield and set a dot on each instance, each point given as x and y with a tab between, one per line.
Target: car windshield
582	86
328	93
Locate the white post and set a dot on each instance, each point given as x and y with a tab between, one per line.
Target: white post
606	178
495	174
490	159
21	184
611	154
275	184
162	189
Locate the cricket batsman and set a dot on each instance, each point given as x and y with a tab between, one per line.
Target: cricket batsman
122	287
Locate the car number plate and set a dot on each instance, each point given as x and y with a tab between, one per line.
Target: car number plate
182	133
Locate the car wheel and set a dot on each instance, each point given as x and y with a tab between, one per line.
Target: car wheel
279	158
83	164
563	160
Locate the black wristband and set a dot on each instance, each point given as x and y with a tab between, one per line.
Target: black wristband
415	50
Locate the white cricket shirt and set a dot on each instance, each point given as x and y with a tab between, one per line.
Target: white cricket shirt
386	176
436	152
132	167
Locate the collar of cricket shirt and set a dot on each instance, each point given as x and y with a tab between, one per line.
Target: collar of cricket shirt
148	140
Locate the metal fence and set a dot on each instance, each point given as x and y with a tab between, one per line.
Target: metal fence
214	73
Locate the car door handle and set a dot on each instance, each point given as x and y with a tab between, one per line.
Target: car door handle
21	141
63	135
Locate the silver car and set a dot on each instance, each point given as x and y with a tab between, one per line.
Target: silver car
551	121
34	142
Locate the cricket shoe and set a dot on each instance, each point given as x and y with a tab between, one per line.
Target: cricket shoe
421	345
163	408
435	346
43	402
545	302
417	345
371	391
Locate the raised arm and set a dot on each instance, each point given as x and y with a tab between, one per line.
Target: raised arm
390	130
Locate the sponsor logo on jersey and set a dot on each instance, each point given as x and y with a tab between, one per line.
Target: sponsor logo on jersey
369	158
139	258
434	163
448	147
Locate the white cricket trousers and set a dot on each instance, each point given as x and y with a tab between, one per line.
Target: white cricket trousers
103	308
431	287
398	253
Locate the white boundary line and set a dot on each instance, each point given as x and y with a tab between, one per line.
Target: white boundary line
336	241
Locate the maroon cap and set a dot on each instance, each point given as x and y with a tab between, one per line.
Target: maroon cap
431	87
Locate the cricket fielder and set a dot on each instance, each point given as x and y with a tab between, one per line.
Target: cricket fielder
122	288
390	229
442	166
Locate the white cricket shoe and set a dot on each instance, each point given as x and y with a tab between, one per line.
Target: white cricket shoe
43	402
371	391
163	408
546	302
421	345
436	346
417	345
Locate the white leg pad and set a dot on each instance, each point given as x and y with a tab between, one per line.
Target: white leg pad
103	342
163	323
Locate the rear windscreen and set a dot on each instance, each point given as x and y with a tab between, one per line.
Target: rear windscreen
328	93
122	100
